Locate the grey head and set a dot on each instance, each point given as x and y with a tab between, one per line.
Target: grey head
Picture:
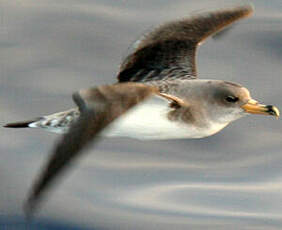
217	102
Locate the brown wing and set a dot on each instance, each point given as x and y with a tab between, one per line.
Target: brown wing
99	107
169	51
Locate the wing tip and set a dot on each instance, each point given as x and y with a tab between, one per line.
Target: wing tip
246	10
250	7
29	208
242	9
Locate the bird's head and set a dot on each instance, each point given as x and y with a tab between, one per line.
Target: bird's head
224	102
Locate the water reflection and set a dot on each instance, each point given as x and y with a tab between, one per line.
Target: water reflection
50	49
206	199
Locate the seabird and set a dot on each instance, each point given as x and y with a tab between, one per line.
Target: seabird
158	96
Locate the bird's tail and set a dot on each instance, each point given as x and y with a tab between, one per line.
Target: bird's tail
20	124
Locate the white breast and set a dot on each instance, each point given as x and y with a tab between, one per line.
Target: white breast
149	121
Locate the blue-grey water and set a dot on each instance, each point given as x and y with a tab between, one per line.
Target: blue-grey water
233	180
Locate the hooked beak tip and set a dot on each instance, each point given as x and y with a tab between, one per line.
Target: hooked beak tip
272	110
254	107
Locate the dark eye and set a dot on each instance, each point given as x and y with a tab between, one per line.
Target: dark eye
232	99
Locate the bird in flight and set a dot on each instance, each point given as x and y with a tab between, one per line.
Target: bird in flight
157	96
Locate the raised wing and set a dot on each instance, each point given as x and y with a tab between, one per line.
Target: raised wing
169	51
99	107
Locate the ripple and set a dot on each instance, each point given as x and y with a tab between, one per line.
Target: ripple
205	199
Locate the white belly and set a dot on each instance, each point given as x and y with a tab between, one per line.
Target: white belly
149	121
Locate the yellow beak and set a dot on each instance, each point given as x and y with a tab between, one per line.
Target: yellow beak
254	107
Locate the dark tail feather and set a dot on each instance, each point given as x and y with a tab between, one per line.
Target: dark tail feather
20	124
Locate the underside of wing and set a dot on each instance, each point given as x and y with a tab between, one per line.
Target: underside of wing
169	51
98	107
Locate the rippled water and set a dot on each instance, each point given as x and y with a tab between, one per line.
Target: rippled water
230	180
